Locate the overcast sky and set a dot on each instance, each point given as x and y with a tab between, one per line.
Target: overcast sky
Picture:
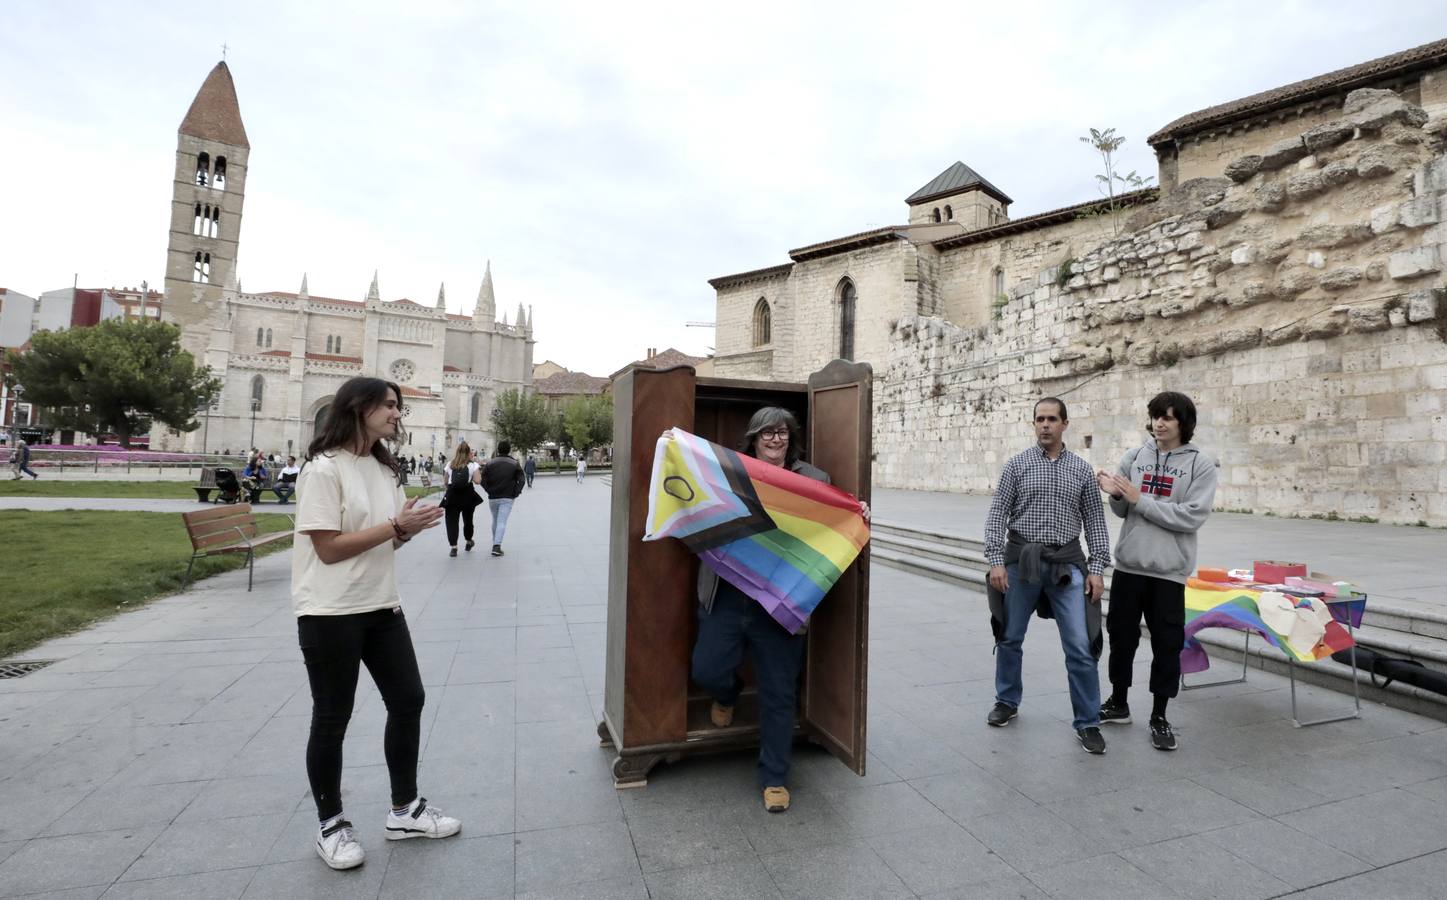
608	158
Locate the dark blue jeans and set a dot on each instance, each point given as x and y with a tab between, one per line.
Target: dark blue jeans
737	625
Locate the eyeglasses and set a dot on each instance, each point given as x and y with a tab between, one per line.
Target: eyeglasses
779	434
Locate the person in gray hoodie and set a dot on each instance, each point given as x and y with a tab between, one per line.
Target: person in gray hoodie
1163	490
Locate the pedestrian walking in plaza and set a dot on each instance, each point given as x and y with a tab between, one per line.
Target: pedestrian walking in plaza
530	468
286	480
1163	490
1032	542
460	498
582	468
731	626
352	517
21	456
502	478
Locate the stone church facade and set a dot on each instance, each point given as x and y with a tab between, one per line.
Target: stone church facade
1288	273
280	355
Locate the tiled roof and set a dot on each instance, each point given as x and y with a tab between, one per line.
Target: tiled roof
329	357
849	242
414	392
215	114
1364	74
451	369
956	178
724	281
563	384
669	358
286	353
1041	220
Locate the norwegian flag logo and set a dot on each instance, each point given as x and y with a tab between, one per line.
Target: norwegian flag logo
1159	485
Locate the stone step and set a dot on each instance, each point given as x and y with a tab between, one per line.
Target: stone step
1397	628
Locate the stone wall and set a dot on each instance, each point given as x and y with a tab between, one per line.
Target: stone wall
1300	302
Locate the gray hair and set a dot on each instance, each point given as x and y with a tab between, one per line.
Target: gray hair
772	417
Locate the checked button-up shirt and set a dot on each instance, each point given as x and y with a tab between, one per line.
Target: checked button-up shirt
1047	501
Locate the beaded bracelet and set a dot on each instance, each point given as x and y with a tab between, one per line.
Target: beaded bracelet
397	530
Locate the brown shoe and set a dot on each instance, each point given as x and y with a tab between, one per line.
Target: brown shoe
776	799
721	716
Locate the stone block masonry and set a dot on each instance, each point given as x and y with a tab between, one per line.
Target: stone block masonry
1299	301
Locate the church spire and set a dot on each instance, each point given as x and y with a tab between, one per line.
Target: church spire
530	318
215	114
522	318
303	293
486	309
373	294
442	296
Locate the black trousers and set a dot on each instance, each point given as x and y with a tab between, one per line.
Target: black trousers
333	646
453	511
1162	604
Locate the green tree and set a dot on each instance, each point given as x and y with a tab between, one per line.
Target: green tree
589	421
118	376
1106	143
520	419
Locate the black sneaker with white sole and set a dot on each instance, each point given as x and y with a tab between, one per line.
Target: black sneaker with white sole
1000	715
1162	737
1114	713
1091	739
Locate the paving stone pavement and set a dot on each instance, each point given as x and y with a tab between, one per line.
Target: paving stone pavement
163	757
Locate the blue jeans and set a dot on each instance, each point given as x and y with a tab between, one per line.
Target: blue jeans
738	624
501	509
1068	603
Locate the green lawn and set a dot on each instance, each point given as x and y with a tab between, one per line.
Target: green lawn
65	570
144	490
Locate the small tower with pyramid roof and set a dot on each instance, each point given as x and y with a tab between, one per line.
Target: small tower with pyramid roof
960	195
207	191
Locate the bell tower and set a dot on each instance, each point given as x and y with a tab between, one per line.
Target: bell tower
206	197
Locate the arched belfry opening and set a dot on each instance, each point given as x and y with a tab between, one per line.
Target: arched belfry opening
848	299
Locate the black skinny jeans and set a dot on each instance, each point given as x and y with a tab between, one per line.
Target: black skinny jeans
333	646
451	514
1162	604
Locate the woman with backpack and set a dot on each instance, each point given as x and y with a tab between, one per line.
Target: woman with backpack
460	499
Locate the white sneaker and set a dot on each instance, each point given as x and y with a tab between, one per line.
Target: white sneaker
338	847
421	820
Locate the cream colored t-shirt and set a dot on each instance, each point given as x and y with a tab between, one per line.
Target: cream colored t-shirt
344	492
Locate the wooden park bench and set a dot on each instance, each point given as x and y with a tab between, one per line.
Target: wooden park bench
227	529
206	484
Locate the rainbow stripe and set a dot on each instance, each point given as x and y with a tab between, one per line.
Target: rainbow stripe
779	537
1212	604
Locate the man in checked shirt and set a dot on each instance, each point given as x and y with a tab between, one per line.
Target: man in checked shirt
1032	542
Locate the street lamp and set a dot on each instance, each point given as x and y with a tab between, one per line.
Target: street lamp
255	405
206	431
15	393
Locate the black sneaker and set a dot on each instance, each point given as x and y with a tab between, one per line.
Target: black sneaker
1001	715
1113	713
452	552
468	546
497	549
1162	737
1092	740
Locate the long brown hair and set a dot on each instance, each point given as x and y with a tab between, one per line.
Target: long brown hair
344	427
461	458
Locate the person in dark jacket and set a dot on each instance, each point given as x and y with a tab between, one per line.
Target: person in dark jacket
730	623
530	468
503	480
460	499
21	455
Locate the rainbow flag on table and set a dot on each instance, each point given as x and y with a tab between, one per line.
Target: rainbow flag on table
781	538
1211	604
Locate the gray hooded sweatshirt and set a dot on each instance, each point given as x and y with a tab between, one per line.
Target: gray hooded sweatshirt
1177	487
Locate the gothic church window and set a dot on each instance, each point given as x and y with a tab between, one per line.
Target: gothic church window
329	343
260	338
196	225
763	323
476	408
215	222
997	283
258	389
203	168
219	179
268	338
847	298
949	213
339	344
936	215
202	271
